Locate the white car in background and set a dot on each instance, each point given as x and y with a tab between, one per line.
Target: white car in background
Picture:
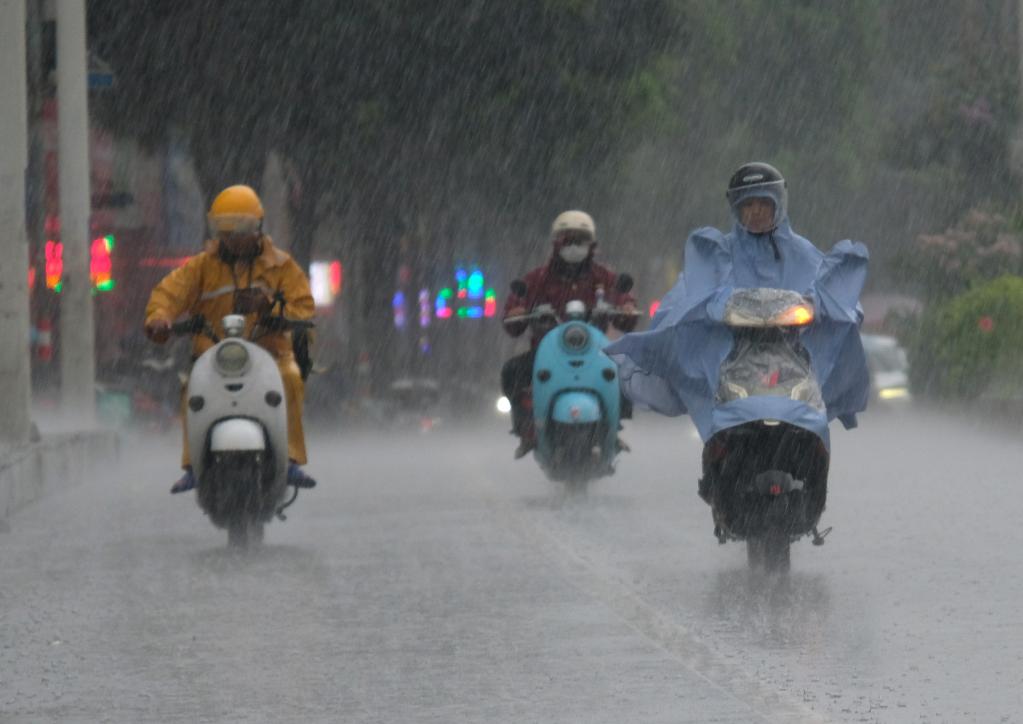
889	368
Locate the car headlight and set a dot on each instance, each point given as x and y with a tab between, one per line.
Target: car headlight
893	393
232	359
575	338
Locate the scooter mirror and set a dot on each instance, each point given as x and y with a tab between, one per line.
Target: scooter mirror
623	284
519	288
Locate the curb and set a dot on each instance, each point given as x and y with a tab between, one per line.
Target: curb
35	470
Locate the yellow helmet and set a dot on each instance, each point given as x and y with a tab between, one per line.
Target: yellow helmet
237	209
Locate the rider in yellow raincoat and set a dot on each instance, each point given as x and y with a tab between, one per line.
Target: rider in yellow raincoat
239	272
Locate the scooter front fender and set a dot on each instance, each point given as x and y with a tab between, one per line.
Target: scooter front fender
237	434
576	408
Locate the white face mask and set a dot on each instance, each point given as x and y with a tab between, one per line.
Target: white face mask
574	253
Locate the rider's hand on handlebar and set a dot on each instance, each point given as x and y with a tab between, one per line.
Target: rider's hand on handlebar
274	323
159	331
628	308
516	312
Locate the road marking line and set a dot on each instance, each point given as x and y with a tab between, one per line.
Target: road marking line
673	638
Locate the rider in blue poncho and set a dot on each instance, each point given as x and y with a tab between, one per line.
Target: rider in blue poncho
674	367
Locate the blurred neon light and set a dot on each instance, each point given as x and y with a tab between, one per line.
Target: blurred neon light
54	265
442	305
489	304
424	308
325	281
475	284
336	277
654	306
100	264
398	304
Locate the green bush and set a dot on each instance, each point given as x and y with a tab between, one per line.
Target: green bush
972	345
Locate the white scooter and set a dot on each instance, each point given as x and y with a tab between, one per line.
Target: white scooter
237	429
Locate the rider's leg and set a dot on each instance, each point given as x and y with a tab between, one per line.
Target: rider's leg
187	481
294	395
516	377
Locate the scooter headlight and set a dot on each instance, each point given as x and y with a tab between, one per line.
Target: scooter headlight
575	338
232	359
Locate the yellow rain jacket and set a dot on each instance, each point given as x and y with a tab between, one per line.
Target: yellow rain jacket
206	285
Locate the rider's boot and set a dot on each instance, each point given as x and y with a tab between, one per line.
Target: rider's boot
527	438
297	476
185	483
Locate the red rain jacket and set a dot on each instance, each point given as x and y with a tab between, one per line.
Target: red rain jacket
557	283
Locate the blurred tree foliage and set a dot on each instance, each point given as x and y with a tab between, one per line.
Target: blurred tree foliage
390	110
968	347
467	123
961	115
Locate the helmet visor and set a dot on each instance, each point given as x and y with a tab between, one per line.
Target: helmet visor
240	224
569	237
773	191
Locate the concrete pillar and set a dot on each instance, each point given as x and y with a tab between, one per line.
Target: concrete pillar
15	382
77	340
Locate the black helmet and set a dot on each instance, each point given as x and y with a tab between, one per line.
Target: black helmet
758	179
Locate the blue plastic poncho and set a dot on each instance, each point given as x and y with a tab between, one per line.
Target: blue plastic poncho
674	367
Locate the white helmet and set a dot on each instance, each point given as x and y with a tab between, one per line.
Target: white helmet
573	221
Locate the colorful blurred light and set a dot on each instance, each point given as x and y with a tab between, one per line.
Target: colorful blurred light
475	284
442	305
398	304
325	279
100	264
424	308
54	265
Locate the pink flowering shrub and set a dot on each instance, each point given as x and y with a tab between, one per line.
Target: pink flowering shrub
982	246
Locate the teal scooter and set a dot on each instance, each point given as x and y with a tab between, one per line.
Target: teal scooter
575	392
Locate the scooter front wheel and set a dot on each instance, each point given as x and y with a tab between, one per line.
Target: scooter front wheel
244	533
770	551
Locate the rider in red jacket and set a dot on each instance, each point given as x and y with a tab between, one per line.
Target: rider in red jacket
570	273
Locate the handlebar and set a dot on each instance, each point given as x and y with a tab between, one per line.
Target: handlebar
192	325
198	325
545	311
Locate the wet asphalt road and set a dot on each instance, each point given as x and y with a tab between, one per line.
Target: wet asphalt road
432	579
